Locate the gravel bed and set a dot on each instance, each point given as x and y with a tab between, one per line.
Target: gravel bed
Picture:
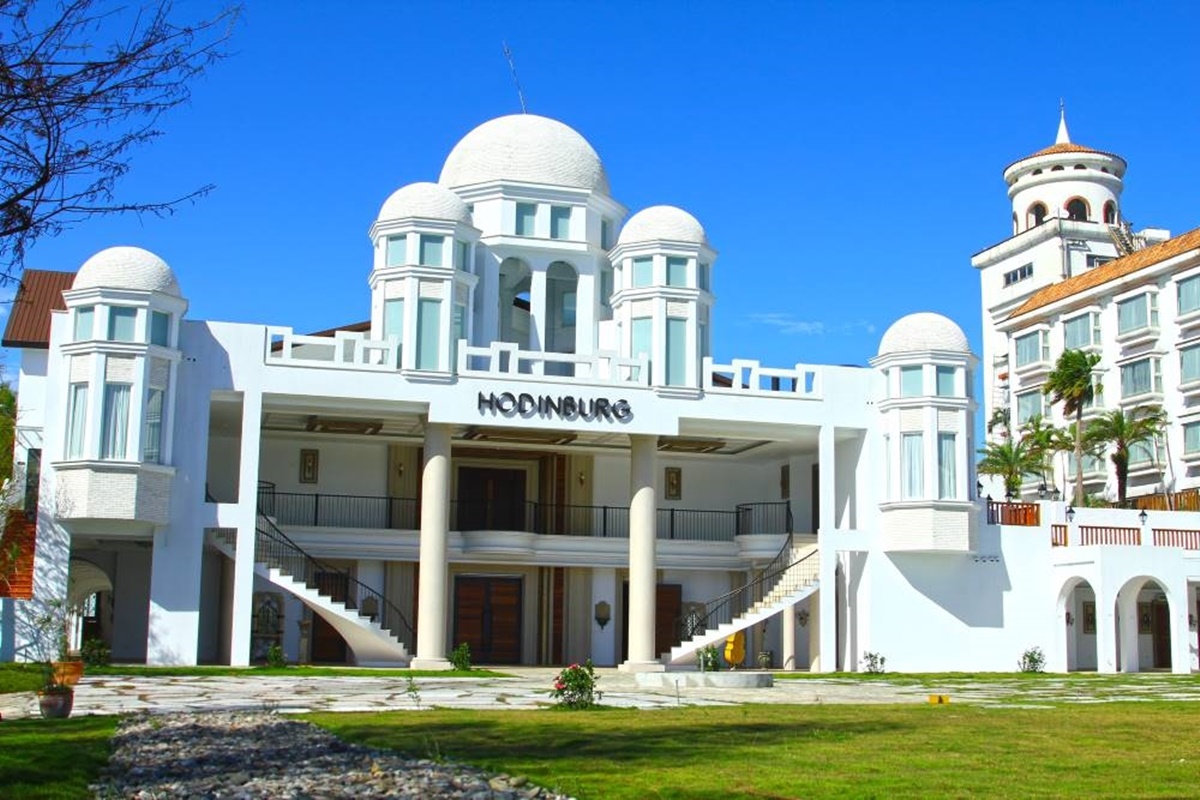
261	755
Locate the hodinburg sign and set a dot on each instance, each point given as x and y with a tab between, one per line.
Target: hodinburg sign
567	407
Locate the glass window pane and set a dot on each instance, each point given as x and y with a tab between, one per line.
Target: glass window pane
76	419
1191	438
431	250
121	324
1131	314
429	318
1189	294
643	271
462	256
1029	348
152	436
560	222
160	328
84	320
1029	405
1141	452
459	332
115	423
606	287
702	276
1078	332
397	251
912	381
945	381
1189	364
641	337
913	466
605	233
676	271
526	214
393	319
568	308
676	351
946	467
1136	378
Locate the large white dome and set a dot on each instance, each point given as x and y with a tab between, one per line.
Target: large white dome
427	201
126	268
525	148
663	222
923	331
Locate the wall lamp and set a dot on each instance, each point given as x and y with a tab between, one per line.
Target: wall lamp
802	618
1142	516
1042	490
1070	513
979	488
1055	494
603	614
1070	619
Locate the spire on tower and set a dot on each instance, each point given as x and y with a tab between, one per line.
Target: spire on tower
1063	137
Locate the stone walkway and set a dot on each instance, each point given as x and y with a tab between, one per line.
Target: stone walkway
529	686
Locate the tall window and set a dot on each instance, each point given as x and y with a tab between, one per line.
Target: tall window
462	256
1091	464
676	271
1189	364
122	325
431	250
393	318
640	337
1140	377
912	381
1110	212
85	319
560	222
1189	295
1029	405
397	251
1082	331
152	435
643	271
526	214
114	431
1077	210
1032	348
1191	438
1143	452
945	382
913	466
429	318
605	234
76	418
459	332
676	374
703	276
1137	313
160	328
606	287
947	478
1037	214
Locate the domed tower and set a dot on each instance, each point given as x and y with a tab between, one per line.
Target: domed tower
1067	181
926	415
663	298
539	195
422	280
118	387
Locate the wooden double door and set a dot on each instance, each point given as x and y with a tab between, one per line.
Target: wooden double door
487	616
491	499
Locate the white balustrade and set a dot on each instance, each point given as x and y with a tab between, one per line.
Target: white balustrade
747	376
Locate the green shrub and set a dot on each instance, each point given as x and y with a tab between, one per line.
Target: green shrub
460	657
575	686
1032	660
873	663
275	657
95	653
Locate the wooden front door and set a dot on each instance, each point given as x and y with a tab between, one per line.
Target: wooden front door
487	616
1161	622
668	614
491	499
328	646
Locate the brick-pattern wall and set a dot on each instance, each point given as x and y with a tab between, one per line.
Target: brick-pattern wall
17	567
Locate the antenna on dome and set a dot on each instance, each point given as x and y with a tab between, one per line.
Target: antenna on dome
512	67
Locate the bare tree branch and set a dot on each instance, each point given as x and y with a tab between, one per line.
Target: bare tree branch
81	88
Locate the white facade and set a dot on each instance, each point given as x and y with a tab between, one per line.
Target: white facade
527	447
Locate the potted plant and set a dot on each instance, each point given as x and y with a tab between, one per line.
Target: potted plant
59	673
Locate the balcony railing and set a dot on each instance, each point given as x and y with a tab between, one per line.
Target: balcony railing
360	511
1024	514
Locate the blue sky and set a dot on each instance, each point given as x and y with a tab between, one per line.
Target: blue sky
845	158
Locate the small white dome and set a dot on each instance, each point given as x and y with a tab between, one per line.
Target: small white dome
425	200
528	149
923	331
126	268
663	222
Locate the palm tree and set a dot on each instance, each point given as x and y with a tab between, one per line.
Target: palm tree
1011	460
1041	439
1124	431
1071	383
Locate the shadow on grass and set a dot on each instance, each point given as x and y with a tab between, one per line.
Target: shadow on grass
52	758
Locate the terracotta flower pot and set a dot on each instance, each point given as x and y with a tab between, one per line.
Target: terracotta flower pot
56	704
68	673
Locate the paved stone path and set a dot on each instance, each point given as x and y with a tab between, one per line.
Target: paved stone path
529	686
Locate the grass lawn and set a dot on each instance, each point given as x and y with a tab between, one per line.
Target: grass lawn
20	678
1105	750
52	758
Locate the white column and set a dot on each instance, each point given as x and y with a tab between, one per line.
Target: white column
434	567
788	642
537	308
1127	608
173	628
1181	656
814	633
587	305
1106	631
643	458
247	522
824	617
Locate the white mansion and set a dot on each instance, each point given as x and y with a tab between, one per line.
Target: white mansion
527	447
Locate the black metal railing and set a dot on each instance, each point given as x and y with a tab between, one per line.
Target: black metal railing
339	510
275	549
734	604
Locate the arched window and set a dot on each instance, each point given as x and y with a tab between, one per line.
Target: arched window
1037	171
1059	168
1077	209
1080	166
1036	215
1110	212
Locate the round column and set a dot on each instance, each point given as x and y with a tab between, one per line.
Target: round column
643	458
434	567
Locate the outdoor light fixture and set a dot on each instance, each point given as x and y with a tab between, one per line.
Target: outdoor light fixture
1070	514
1070	619
1191	622
1056	495
1008	495
979	488
1042	490
802	618
603	614
1142	517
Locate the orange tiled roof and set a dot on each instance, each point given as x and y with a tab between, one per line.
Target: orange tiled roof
1062	147
1119	268
40	293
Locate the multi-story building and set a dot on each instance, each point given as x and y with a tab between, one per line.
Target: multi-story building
527	447
1074	275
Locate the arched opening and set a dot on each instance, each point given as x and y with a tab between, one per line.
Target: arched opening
1144	626
561	297
1110	213
513	314
1059	168
89	594
1037	172
1036	215
1080	166
1077	611
1077	209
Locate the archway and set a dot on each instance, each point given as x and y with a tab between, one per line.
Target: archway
89	592
562	283
513	316
1077	611
1144	612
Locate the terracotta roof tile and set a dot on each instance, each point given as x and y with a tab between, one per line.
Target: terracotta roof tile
1119	268
40	293
1062	147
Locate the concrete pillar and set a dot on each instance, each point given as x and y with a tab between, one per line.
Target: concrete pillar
173	630
814	632
537	309
434	567
823	621
642	569
1106	632
1130	651
1181	655
788	640
246	517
